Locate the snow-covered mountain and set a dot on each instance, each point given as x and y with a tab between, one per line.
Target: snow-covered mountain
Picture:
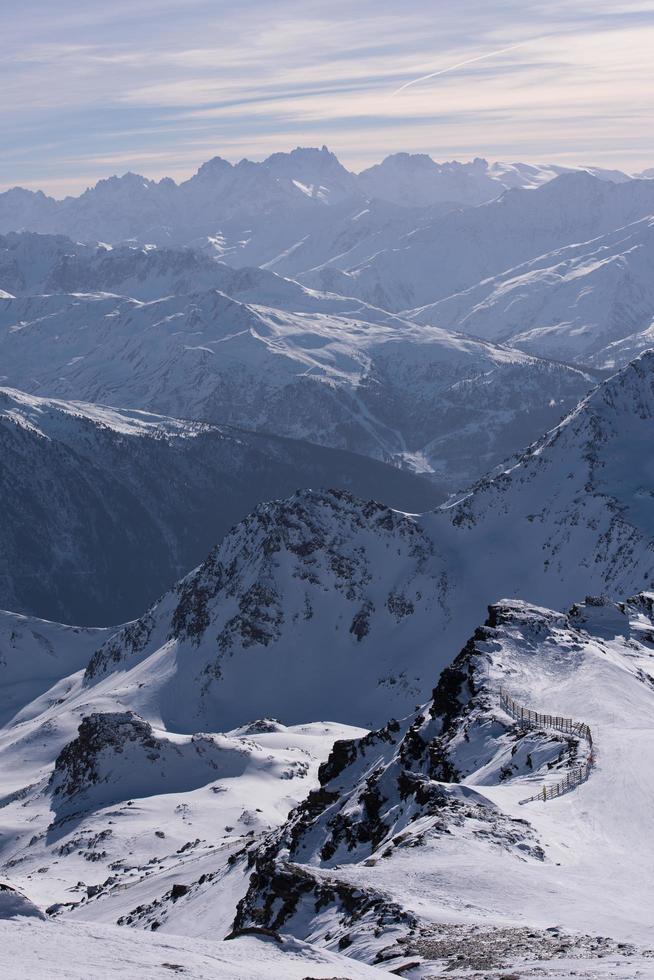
293	210
415	847
408	845
323	605
250	213
110	808
104	508
271	337
313	366
457	250
326	606
583	303
36	654
49	268
415	179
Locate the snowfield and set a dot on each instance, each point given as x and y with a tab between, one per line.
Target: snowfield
74	952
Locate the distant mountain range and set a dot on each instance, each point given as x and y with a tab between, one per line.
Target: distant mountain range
191	337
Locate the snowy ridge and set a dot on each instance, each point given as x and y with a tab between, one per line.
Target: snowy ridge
301	613
455	251
331	371
134	499
589	303
426	811
535	720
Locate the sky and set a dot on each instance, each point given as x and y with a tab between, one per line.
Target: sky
89	88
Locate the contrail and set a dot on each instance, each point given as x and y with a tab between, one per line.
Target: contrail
461	64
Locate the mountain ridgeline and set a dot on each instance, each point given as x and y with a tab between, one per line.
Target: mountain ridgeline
305	476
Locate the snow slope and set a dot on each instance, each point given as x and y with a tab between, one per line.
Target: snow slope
104	811
36	654
423	817
104	508
325	606
582	303
414	179
333	372
412	852
61	951
459	249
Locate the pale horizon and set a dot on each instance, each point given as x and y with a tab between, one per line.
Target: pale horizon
89	93
61	189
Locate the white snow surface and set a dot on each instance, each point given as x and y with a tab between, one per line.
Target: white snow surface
591	303
62	951
453	252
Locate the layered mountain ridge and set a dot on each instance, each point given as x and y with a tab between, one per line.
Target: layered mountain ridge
455	251
104	508
590	303
261	352
329	380
322	590
221	198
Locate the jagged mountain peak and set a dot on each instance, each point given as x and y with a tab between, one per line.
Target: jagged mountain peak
271	588
216	166
430	805
119	183
312	154
323	602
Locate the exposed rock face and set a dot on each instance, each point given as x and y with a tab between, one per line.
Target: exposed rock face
325	604
425	797
78	765
395	789
282	577
117	755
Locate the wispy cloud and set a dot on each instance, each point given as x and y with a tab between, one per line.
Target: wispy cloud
159	85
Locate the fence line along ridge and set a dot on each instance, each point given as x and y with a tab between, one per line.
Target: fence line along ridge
527	718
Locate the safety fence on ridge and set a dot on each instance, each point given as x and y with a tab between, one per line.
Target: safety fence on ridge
527	718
